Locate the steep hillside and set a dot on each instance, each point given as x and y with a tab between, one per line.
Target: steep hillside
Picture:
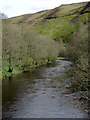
36	17
56	23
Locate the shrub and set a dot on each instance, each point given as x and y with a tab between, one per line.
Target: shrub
78	52
25	49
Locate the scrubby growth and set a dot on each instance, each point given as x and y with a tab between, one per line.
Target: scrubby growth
77	51
25	50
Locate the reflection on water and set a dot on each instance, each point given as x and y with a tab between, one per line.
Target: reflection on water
41	94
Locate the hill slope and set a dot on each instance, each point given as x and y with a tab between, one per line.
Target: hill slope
56	23
59	11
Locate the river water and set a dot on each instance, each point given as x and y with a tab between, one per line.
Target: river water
43	93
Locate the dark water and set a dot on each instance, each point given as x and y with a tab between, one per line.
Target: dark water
42	94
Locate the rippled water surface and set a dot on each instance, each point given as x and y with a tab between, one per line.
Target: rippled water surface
41	94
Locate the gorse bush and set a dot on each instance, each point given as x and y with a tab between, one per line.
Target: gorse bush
25	49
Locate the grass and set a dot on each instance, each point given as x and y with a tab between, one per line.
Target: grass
82	18
6	74
61	27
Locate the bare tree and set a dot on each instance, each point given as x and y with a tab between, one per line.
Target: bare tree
3	16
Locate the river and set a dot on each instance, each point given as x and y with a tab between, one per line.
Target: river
43	93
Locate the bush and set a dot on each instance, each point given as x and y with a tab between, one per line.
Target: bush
25	49
79	44
78	52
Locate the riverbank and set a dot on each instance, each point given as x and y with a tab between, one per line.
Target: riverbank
18	70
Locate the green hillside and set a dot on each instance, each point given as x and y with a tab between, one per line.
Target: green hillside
55	23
